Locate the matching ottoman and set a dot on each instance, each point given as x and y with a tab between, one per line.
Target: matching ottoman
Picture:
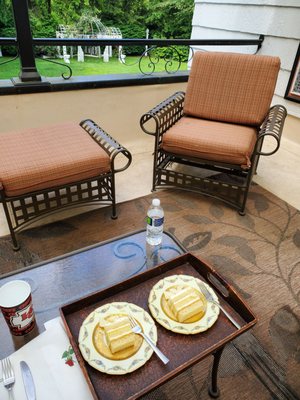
45	169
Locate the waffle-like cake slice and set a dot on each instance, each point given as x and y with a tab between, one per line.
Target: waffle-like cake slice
185	303
118	334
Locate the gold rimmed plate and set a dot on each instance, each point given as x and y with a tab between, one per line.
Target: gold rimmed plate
161	313
95	350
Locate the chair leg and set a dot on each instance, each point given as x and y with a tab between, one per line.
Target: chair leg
157	155
114	211
248	183
154	176
113	195
16	245
257	157
153	180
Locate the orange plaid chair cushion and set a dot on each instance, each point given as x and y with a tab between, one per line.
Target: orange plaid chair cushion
41	158
211	140
230	87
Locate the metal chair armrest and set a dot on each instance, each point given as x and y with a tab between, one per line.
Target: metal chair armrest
165	114
108	143
272	126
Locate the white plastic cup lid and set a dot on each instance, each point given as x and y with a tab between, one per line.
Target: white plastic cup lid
156	202
14	293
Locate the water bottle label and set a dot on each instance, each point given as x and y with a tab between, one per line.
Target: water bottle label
155	221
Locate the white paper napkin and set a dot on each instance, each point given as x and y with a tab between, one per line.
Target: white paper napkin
56	372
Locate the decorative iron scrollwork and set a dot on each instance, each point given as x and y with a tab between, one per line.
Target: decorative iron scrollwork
171	56
12	59
66	77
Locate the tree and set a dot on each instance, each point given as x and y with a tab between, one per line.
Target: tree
165	19
170	19
7	26
6	16
120	12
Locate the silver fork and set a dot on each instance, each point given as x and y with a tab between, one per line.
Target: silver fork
8	376
137	329
209	298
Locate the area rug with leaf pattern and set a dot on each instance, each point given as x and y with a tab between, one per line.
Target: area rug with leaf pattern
259	254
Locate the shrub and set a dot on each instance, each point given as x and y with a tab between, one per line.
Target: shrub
44	29
8	50
133	32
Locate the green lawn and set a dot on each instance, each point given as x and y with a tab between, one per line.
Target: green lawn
91	66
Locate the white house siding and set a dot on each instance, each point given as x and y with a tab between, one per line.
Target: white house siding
278	20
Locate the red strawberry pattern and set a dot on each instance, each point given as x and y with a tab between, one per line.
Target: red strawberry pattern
70	362
68	356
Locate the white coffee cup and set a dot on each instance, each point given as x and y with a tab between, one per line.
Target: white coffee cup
16	306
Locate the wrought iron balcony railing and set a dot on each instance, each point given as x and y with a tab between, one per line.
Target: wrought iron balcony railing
148	59
25	44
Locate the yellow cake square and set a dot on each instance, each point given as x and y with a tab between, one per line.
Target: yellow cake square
185	303
118	334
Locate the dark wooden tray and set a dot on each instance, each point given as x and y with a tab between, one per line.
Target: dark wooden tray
182	350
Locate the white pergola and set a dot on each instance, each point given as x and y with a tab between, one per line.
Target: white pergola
88	27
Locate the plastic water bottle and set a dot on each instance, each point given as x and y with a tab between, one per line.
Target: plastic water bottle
155	223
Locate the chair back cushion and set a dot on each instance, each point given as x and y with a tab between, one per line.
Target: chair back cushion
231	87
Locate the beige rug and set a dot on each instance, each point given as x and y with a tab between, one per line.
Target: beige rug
259	254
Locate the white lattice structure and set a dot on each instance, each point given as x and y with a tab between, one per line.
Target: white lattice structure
88	27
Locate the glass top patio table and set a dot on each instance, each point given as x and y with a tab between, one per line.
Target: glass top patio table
69	277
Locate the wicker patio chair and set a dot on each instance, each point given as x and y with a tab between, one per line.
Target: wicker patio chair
218	126
46	169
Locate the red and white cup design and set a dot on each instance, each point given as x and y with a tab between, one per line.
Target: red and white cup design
16	306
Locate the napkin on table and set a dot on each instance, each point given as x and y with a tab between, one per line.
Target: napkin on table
55	370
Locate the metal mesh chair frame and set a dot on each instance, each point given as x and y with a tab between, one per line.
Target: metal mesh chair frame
234	192
22	210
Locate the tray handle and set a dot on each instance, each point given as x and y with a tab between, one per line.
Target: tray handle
219	283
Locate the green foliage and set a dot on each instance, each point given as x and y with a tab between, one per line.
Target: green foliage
133	32
7	28
175	53
43	29
122	12
170	18
69	12
6	17
8	50
164	19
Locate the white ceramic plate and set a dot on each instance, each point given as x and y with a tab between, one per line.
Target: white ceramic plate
209	318
106	365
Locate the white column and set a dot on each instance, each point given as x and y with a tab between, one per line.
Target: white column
106	54
66	56
147	37
80	54
121	55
